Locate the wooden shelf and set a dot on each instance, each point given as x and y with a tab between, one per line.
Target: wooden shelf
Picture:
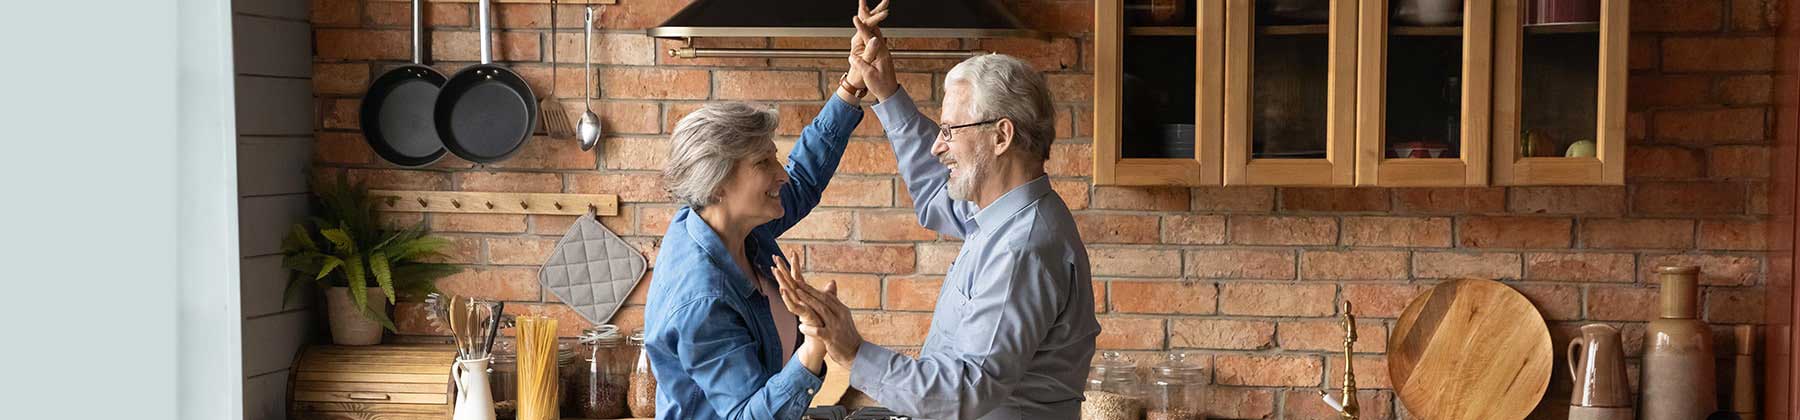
1184	31
1279	30
1426	31
502	203
1563	28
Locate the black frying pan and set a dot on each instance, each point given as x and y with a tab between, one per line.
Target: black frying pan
486	111
396	111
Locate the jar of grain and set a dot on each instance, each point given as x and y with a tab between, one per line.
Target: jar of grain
1113	391
642	400
1179	389
596	389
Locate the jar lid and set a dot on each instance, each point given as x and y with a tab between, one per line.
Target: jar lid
565	354
1178	364
602	334
637	337
1113	361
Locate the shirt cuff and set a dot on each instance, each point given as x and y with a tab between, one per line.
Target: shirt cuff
898	102
801	379
871	365
836	101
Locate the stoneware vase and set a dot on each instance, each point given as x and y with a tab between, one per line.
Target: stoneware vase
1597	364
348	325
1678	381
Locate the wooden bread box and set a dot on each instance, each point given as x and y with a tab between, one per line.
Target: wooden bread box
393	381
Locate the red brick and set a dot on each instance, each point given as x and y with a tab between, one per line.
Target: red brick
1242	403
1248	199
859	192
912	293
935	258
1690	198
1718	53
1758	89
1637	233
893	328
478	223
1353	265
399	179
333	12
1513	232
1241	264
1134	262
1589	201
1451	265
1074	193
1371	372
1579	267
508	284
1328	336
1335	199
1275	371
1733	235
1123	333
1057	17
1193	229
608	49
1224	334
1677	15
1076	160
1141	198
1645	53
344	148
362	45
1554	302
1710	126
858	291
654	83
462	250
519	251
1164	297
822	225
1715	270
1669	90
1277	299
1283	230
438	15
1738	162
640	294
767	85
1084	122
1373	404
341	113
399	220
1622	303
541	153
867	157
553	225
877	259
1418	232
1735	306
1055	54
340	79
1449	200
1103	228
1070	87
481	181
630	187
655	220
1381	300
634	153
890	226
1759	198
1647	161
466	46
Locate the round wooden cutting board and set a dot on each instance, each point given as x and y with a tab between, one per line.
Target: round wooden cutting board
1470	349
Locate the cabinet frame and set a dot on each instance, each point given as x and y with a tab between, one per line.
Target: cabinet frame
1607	167
1110	167
1471	167
1339	165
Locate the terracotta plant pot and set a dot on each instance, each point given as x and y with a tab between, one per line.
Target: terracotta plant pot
348	325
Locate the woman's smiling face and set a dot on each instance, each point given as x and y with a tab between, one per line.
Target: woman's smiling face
753	190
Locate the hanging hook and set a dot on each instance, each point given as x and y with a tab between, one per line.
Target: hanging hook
558	205
457	204
423	203
490	205
524	206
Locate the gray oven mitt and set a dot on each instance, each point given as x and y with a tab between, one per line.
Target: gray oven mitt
592	270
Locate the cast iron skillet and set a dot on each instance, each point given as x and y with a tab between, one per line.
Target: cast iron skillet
485	112
397	109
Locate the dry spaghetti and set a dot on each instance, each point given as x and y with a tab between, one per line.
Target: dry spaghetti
538	378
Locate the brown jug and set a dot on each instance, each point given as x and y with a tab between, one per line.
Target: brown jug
1678	381
1597	363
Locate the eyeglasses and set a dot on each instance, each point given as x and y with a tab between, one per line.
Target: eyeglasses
946	131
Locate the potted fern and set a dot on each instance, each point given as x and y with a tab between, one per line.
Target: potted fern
344	251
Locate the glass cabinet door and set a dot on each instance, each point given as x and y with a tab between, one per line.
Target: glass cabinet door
1290	92
1559	105
1157	81
1423	98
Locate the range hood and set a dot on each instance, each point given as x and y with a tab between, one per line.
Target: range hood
831	19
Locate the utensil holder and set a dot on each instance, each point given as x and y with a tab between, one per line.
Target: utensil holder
474	400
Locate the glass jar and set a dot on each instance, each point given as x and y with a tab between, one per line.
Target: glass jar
1113	391
596	387
503	379
642	398
1178	389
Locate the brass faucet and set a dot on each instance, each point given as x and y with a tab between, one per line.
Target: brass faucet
1348	410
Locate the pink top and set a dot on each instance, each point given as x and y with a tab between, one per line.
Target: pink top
785	322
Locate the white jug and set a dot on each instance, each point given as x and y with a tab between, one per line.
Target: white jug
474	401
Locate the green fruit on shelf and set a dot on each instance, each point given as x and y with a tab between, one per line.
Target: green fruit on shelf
1584	148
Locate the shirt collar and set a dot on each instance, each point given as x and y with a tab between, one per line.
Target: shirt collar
1012	202
709	242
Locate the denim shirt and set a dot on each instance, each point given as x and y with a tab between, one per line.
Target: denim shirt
711	340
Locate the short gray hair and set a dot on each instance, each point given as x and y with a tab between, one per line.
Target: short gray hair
1005	87
708	143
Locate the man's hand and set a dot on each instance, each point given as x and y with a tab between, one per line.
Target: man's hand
826	319
876	66
870	28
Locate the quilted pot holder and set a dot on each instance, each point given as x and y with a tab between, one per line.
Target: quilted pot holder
592	270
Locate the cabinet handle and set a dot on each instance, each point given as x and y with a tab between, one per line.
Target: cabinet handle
368	396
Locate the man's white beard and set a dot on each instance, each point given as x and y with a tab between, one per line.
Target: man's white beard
968	175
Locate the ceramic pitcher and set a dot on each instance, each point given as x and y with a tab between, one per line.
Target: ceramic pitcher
1597	364
474	399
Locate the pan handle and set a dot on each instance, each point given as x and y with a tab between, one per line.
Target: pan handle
418	33
487	56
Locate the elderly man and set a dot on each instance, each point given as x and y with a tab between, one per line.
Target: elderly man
1014	326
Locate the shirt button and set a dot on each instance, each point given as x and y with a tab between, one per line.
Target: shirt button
810	391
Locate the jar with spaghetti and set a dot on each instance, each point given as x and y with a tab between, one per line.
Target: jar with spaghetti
541	361
1178	389
595	388
642	400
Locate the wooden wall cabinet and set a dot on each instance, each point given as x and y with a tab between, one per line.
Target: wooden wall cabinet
1358	92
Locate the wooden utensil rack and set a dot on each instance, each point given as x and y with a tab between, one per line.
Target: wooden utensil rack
563	2
495	203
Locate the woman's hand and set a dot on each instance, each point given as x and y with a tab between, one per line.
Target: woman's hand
866	21
811	352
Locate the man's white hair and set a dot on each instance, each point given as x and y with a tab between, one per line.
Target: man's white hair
1005	87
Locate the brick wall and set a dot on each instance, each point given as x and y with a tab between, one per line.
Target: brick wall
1247	275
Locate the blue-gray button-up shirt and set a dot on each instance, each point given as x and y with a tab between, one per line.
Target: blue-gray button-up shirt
707	329
1014	327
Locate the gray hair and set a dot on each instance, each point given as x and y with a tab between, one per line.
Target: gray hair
1005	87
708	143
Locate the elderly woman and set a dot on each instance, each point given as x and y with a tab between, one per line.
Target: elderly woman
721	341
